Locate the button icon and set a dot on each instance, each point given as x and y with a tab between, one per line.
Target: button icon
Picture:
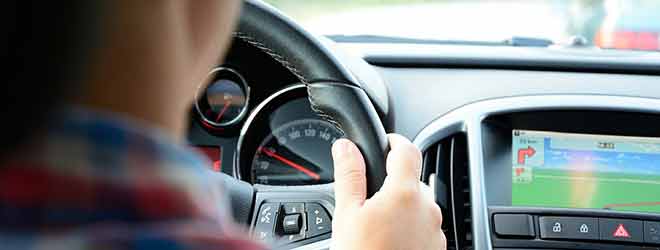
265	215
319	220
584	229
621	232
557	227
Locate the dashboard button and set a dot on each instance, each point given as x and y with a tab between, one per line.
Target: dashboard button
294	207
520	225
264	229
621	230
580	228
652	232
318	220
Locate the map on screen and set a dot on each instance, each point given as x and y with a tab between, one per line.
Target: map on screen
552	169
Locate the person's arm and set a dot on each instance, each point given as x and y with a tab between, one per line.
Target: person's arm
402	215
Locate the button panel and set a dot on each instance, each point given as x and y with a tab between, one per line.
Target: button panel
279	223
293	211
264	229
318	220
581	228
518	227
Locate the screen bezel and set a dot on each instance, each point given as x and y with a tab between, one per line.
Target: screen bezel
497	138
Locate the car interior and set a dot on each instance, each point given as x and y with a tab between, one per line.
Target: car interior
526	144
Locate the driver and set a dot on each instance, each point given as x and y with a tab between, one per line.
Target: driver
93	153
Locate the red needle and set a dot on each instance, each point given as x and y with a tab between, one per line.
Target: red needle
286	161
222	112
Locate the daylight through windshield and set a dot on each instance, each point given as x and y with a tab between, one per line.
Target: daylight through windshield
616	24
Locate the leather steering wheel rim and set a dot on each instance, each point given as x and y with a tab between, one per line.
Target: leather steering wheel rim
333	92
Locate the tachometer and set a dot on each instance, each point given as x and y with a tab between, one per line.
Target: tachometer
297	153
222	100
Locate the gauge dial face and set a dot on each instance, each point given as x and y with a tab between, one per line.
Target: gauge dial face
223	101
298	153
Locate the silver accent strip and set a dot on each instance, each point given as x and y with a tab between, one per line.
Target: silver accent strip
452	192
468	119
248	122
319	245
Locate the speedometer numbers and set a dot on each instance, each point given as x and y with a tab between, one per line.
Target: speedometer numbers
297	153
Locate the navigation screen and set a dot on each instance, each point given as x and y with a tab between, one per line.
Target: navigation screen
552	169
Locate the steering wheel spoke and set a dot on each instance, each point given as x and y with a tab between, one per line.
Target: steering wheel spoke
288	217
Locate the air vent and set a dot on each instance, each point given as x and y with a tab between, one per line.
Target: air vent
447	162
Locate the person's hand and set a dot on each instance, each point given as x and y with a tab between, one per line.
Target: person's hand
401	215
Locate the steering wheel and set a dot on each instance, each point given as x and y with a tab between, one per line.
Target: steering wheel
275	212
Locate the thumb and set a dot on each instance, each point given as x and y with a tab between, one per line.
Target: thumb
350	174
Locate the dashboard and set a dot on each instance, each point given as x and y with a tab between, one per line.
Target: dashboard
261	135
537	151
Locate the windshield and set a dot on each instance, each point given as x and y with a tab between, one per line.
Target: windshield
614	24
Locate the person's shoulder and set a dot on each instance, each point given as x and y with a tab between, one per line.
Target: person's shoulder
173	236
113	139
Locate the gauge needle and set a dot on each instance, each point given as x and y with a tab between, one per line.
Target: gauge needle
292	164
222	112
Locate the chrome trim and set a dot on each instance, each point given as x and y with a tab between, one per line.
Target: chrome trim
432	185
452	192
251	118
468	119
319	245
205	84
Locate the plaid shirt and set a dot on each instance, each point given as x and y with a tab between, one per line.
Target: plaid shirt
99	182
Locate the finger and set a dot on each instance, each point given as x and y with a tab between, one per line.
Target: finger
350	174
404	161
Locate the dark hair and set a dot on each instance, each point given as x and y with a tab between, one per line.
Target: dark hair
48	43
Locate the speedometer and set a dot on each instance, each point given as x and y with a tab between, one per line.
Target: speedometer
297	153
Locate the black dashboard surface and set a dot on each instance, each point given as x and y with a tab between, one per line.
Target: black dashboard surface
439	90
427	81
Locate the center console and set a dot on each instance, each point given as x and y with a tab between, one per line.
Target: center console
560	171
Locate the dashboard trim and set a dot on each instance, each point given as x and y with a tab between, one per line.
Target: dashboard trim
468	119
319	245
565	59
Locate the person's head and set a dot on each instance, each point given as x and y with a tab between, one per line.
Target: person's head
140	58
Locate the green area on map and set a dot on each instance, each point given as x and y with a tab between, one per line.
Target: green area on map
570	189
